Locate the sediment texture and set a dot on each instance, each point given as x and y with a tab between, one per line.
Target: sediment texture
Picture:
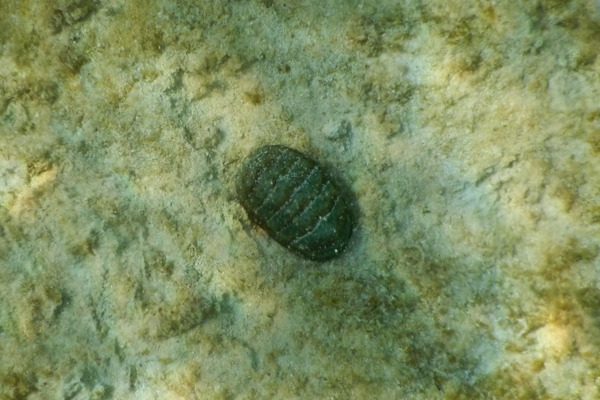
468	132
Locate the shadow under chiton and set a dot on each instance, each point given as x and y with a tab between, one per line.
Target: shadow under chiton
296	201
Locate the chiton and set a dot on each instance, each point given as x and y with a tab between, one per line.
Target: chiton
296	201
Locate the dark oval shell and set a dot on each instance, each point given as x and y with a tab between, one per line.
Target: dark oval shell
296	201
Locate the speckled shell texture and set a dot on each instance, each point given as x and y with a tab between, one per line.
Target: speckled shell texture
296	201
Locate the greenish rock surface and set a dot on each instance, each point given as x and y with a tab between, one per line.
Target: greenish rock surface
470	133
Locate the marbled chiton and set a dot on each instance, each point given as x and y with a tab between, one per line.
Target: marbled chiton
296	202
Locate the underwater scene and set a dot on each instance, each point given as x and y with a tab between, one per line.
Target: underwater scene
281	199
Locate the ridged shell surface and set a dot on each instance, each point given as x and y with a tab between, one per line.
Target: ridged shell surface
296	202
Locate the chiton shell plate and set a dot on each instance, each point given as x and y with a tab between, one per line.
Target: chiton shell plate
296	201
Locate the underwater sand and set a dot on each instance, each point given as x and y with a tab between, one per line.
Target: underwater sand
469	133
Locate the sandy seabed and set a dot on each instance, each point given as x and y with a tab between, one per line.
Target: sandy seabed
469	133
